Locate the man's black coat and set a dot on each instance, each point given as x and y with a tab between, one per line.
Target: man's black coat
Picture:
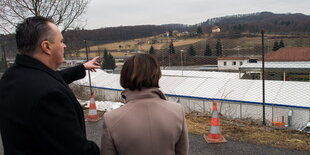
39	114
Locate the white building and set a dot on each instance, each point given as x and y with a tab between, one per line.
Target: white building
233	63
70	63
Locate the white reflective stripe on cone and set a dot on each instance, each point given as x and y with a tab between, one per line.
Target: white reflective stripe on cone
92	100
92	112
215	129
215	114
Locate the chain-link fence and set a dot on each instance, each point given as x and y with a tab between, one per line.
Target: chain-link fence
273	88
227	68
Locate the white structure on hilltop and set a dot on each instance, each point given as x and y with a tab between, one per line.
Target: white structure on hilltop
216	29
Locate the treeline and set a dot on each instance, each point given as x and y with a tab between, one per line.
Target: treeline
256	22
74	38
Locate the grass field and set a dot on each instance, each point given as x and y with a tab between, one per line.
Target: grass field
247	44
133	44
251	132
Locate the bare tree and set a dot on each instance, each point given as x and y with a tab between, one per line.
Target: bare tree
64	12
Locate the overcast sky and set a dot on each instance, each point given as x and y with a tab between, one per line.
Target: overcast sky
112	13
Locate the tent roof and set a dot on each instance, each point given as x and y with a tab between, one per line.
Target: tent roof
283	93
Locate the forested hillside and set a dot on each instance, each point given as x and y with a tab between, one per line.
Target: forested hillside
256	22
235	24
270	22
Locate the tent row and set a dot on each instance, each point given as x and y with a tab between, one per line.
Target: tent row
283	93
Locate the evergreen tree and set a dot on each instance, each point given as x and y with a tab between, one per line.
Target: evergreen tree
112	64
199	30
108	60
191	51
105	59
171	49
276	46
218	48
105	55
281	45
152	51
208	51
170	33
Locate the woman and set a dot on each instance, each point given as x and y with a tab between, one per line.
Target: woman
147	124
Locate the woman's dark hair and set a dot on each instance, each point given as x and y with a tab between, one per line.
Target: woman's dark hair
140	71
31	32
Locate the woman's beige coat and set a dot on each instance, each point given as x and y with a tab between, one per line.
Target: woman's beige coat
147	124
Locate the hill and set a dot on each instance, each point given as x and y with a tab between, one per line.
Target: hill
238	44
230	25
234	29
255	22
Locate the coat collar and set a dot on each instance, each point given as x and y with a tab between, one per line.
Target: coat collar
145	93
30	62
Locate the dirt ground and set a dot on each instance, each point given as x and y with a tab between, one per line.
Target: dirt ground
247	131
251	132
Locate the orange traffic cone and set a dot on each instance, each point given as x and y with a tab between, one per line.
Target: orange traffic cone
92	111
215	135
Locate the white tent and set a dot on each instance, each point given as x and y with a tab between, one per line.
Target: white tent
244	97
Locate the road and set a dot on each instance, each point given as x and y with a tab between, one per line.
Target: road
199	147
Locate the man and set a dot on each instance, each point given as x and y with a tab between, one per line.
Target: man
39	114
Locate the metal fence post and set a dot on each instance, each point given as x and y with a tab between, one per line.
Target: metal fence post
204	106
263	76
189	105
309	116
240	111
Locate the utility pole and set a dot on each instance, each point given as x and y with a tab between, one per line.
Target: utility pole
181	51
263	76
169	57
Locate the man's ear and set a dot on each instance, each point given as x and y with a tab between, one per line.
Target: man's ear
46	47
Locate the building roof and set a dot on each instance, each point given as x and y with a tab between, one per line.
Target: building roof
278	65
233	58
289	54
226	75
